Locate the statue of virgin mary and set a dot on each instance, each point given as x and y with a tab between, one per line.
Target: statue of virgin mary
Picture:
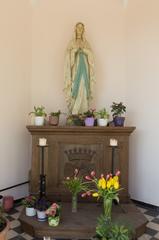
79	72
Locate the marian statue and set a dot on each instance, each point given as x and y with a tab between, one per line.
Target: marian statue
79	72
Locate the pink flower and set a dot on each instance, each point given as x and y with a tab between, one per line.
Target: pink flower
88	193
102	175
108	176
83	195
88	178
117	173
54	205
76	172
93	173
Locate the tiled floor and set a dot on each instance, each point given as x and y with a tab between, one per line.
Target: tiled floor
152	230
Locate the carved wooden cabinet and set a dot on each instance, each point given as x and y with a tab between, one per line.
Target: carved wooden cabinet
86	148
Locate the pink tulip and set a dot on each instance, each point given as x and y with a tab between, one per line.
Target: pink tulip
88	178
76	172
88	193
108	176
117	173
102	175
93	173
83	195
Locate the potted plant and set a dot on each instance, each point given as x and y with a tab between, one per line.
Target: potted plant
40	114
53	213
41	206
89	117
102	117
4	226
75	120
118	109
29	203
106	230
54	118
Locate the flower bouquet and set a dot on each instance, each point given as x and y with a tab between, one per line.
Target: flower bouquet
106	187
53	213
75	184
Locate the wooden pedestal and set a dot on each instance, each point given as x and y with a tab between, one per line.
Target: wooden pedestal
81	225
85	148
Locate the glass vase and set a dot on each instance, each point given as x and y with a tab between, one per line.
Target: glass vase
74	203
107	207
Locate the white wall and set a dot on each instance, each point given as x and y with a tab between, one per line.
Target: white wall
15	60
143	98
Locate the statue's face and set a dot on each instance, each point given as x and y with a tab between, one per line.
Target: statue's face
79	29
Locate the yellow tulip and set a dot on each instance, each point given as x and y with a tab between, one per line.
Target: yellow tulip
100	182
116	185
111	181
108	184
104	185
116	178
95	194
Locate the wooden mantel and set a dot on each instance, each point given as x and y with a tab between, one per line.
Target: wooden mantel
82	130
86	148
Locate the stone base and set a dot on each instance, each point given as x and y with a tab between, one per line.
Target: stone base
82	225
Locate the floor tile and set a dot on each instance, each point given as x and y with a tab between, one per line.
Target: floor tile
153	225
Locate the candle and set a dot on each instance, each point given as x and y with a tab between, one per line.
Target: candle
113	142
42	141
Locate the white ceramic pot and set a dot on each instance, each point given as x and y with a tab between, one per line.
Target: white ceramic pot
102	122
39	121
41	215
30	212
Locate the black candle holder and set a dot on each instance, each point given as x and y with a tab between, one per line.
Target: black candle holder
42	180
113	149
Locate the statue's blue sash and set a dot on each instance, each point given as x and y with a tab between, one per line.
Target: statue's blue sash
82	71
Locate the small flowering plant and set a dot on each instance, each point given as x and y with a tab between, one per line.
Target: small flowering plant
29	201
53	213
53	210
90	113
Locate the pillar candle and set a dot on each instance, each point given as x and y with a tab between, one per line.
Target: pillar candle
113	142
42	141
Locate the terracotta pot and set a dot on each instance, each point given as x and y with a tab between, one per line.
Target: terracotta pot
54	120
3	234
8	202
